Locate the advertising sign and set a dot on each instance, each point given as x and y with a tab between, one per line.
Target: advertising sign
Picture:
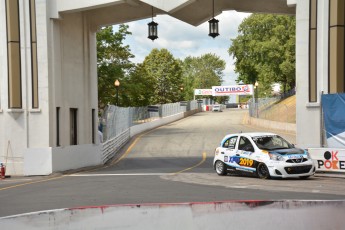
328	159
232	90
202	92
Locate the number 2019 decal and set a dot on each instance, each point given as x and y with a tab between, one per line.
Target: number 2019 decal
246	162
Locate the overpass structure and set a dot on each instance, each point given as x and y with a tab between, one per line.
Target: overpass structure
48	79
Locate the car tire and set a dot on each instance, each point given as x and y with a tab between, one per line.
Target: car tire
220	168
262	171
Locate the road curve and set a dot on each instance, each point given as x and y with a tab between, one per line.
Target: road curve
170	164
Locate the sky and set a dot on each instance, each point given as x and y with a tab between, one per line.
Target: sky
183	40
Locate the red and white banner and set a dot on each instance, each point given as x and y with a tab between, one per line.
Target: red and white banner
232	90
202	92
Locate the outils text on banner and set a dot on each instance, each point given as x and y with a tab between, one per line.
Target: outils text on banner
232	90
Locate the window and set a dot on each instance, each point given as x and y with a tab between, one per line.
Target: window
271	142
313	51
34	71
230	143
74	126
93	123
57	126
245	145
13	54
336	81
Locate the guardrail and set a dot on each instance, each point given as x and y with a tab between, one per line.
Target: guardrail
112	146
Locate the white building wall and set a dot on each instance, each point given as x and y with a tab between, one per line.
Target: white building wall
17	124
71	87
3	81
308	115
67	79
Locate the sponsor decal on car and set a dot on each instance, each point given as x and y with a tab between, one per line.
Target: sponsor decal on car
295	156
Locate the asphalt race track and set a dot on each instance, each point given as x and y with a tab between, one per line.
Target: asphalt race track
170	164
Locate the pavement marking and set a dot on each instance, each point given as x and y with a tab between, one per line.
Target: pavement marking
111	164
115	161
190	168
32	182
120	174
140	174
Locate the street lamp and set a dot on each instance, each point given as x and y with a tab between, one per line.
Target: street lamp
153	29
213	25
117	85
256	91
256	86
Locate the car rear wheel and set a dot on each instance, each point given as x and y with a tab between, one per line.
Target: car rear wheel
220	168
262	171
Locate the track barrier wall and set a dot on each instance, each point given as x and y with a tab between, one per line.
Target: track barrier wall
289	214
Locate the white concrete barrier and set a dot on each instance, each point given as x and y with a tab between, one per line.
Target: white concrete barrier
136	129
242	215
268	124
44	161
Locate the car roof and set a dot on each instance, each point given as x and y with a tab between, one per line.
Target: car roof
251	134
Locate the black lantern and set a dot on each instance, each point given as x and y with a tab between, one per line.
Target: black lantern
213	23
153	29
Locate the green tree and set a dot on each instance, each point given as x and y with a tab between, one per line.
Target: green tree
112	63
138	87
202	73
264	51
164	73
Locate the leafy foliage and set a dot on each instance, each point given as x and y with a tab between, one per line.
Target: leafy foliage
164	72
112	62
264	51
202	73
159	79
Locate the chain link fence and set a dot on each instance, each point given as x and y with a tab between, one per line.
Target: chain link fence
270	109
116	120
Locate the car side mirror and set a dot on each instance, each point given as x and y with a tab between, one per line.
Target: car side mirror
248	148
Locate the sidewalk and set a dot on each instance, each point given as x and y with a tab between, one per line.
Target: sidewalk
330	174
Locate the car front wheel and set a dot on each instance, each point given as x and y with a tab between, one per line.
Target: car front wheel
220	168
262	171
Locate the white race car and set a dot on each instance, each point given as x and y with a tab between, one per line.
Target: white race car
265	155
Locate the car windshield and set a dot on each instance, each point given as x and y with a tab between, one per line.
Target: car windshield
271	142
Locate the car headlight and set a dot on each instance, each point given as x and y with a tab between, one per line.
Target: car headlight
276	157
308	154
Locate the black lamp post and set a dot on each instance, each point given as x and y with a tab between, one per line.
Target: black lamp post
213	26
153	29
117	85
256	87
